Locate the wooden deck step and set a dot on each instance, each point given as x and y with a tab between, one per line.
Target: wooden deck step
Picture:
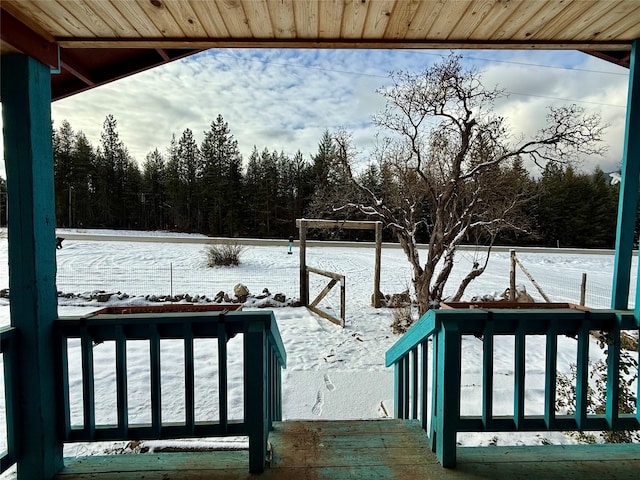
376	449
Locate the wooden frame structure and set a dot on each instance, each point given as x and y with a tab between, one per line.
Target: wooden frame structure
303	224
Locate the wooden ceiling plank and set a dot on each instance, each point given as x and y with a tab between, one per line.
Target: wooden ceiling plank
564	21
83	12
586	22
378	15
401	18
532	22
503	14
113	19
354	18
71	23
185	16
593	21
234	18
423	20
480	12
626	27
450	15
258	17
161	18
282	18
305	13
137	18
330	21
210	18
35	19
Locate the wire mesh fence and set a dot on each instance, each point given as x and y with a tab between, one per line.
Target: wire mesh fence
567	289
170	280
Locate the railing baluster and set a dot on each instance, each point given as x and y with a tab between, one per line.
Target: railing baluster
582	375
88	393
12	403
448	402
405	401
519	377
398	380
487	376
121	382
550	377
189	378
156	389
255	408
613	378
414	382
424	393
435	388
65	409
222	376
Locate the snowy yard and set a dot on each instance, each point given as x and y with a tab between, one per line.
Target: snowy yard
332	373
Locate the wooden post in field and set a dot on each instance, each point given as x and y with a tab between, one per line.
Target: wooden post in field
376	276
512	276
583	289
304	287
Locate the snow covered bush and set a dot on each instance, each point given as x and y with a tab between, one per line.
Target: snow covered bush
402	319
224	255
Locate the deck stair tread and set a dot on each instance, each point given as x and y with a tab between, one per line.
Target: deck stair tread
364	449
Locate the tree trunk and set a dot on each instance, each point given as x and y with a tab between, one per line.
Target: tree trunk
423	295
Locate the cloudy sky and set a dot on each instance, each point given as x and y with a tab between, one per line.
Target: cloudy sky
284	99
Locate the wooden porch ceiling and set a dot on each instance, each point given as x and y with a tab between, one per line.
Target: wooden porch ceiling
96	41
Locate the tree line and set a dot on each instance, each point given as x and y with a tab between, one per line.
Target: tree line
208	188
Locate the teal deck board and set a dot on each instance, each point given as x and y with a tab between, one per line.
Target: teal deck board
374	449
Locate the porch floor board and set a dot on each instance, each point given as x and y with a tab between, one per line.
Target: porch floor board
375	449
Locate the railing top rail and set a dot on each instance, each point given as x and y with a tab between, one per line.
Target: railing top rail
273	333
137	326
422	329
7	332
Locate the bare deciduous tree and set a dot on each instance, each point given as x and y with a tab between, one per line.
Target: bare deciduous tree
451	168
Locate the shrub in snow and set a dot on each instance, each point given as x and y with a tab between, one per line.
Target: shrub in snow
402	319
597	391
224	255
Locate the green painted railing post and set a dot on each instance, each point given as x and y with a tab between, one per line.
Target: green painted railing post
28	153
628	201
255	404
448	399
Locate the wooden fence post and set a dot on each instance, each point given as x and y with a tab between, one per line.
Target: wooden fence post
583	290
512	276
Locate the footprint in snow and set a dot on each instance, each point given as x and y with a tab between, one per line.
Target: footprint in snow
317	407
329	384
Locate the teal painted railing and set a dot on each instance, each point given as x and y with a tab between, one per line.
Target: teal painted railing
7	348
264	356
434	344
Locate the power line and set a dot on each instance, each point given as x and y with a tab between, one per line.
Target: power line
347	72
566	99
526	64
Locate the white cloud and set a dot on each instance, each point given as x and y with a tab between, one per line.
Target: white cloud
283	100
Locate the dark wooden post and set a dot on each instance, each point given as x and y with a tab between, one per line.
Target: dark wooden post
376	276
304	287
512	276
26	112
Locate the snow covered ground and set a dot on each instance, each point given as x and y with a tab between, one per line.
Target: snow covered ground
332	373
